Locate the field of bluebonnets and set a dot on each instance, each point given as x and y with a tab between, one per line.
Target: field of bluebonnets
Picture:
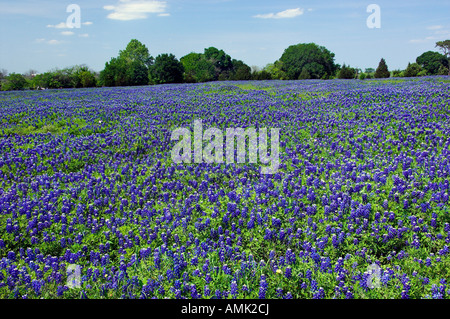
86	178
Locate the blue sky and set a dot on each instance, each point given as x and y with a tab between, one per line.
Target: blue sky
34	34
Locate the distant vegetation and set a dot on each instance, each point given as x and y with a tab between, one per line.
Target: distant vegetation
135	66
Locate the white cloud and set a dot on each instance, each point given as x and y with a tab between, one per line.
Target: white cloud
164	15
67	33
53	42
289	13
134	9
61	25
434	27
84	35
40	40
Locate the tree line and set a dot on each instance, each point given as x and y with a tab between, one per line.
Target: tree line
135	66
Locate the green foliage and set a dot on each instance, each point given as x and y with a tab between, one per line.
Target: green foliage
13	82
136	52
443	70
240	71
362	76
72	77
397	73
432	61
261	75
304	75
221	61
382	70
129	68
87	79
167	69
346	72
422	73
276	70
213	64
445	47
412	69
317	61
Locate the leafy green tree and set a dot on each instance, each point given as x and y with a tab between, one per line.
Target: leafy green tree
304	75
136	52
431	62
346	72
317	60
397	73
276	70
362	76
87	79
114	73
412	69
221	61
166	69
129	68
241	71
13	82
205	71
46	80
382	70
445	47
261	75
197	68
443	70
189	62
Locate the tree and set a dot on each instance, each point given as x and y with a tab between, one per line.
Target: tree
221	61
304	75
276	70
445	47
412	69
241	71
369	70
261	75
129	68
189	62
136	51
13	82
443	70
88	79
382	70
197	68
431	62
166	69
346	72
317	61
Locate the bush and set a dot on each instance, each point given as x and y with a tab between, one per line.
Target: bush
422	73
13	82
346	72
362	76
396	73
412	69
